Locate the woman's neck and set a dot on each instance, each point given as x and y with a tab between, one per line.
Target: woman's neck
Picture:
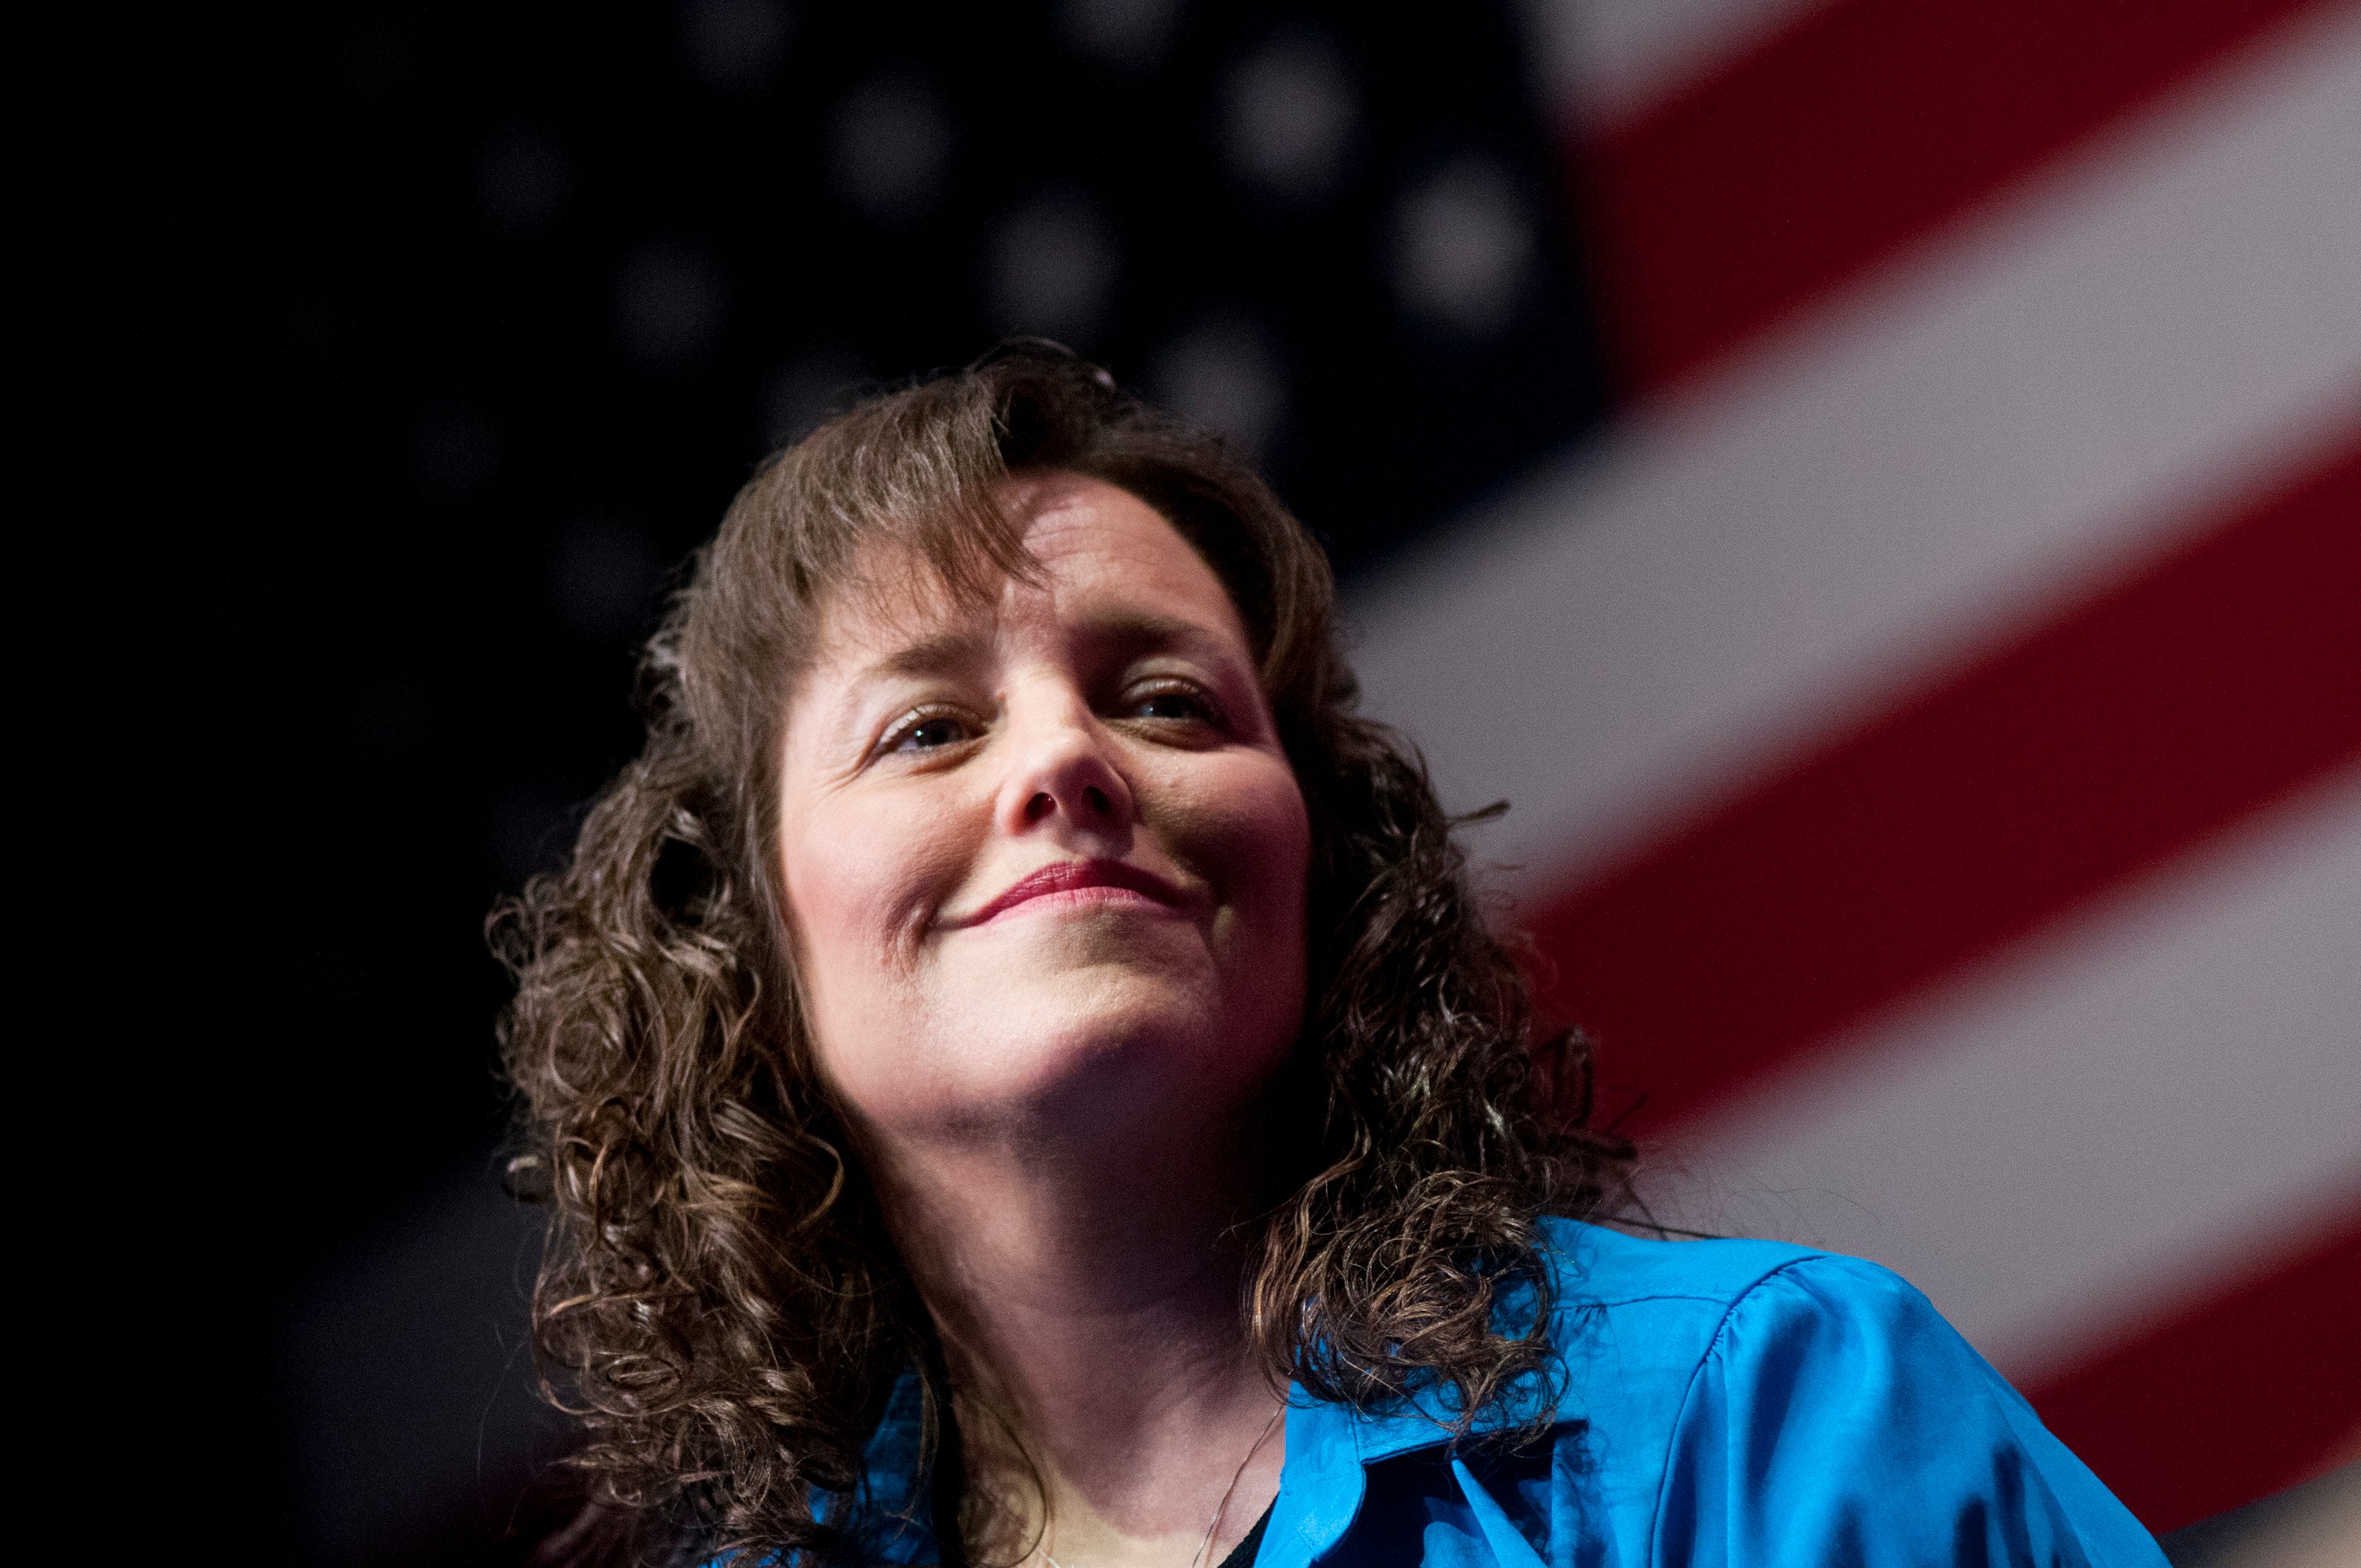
1088	1300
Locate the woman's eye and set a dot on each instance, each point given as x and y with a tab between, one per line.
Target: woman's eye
1173	703
929	733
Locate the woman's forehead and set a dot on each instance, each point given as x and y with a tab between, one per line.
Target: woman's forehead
1098	553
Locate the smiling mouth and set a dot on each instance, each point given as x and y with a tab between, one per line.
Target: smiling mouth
1082	882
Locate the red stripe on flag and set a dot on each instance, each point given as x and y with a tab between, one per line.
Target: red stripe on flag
2231	1399
2152	715
1855	130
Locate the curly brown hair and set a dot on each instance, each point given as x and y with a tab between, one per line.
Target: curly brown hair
718	1299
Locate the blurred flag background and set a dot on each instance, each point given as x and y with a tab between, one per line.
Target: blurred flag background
1875	484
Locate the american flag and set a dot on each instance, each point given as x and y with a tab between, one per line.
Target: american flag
1874	484
1932	715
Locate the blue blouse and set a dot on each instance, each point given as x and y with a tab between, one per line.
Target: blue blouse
1736	1403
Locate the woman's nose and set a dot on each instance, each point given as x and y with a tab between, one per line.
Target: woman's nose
1064	770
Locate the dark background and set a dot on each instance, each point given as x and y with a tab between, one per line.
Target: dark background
518	295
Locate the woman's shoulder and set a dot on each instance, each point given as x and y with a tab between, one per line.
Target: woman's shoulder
1602	1274
1633	1320
1756	1389
1672	1302
1653	1336
1715	1403
1599	1265
1636	1319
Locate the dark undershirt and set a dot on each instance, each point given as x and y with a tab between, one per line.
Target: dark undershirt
1242	1555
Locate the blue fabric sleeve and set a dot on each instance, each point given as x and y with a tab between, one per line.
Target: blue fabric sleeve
1838	1420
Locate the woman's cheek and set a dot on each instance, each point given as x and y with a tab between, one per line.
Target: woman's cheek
853	873
1251	836
908	859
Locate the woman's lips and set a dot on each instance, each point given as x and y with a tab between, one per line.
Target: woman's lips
1113	880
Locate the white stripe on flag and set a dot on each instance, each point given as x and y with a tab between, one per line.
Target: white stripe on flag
2089	1130
1967	440
1602	60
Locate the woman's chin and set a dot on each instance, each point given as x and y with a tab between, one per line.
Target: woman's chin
1109	1054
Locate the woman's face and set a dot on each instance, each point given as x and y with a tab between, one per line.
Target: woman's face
1044	857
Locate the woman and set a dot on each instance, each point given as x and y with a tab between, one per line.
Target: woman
1018	1077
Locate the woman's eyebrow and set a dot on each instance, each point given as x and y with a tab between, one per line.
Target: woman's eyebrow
943	654
1130	633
